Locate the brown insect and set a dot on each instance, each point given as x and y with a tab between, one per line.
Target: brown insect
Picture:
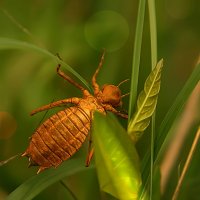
61	135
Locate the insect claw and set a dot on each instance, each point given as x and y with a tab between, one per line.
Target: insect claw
30	165
41	169
59	57
24	154
58	68
31	162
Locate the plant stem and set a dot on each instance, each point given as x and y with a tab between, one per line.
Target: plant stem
187	163
136	56
153	38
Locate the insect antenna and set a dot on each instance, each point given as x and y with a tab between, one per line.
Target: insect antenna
124	95
124	81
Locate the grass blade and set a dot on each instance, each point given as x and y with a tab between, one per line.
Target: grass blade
7	43
36	184
136	56
153	39
187	163
153	32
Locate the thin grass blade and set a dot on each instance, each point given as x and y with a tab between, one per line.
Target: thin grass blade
7	43
153	39
36	184
136	56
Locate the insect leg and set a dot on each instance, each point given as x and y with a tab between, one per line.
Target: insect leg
116	112
94	83
89	157
67	78
73	100
90	151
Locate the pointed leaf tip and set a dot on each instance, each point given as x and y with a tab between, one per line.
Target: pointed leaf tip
146	103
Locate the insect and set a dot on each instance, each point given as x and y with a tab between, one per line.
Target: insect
61	135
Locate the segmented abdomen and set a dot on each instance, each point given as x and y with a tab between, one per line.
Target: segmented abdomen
59	137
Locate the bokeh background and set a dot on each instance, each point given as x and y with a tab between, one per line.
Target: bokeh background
78	30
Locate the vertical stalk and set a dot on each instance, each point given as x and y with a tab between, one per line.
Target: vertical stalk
187	163
153	38
136	56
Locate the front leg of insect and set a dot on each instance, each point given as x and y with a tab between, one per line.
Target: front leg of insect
61	135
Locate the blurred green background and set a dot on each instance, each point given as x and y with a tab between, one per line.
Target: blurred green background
78	31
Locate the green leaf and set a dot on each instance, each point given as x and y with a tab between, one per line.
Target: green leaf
7	43
36	184
116	159
146	104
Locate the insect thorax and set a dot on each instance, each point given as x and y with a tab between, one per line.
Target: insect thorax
92	104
